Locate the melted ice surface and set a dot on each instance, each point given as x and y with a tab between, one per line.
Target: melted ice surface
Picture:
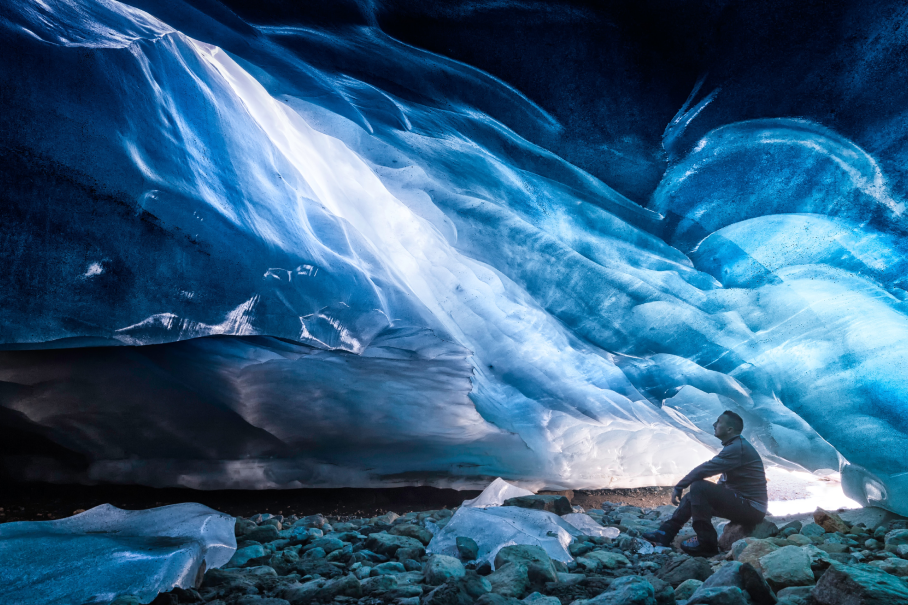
95	556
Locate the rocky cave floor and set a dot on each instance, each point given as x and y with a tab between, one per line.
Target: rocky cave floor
357	551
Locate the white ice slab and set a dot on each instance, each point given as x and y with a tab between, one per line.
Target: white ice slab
93	557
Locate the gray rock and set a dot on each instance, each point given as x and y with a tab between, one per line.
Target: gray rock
496	599
795	595
510	580
683	569
896	538
528	555
570	578
743	576
315	553
412	531
126	600
719	595
467	548
243	555
686	589
628	590
387	544
441	567
812	530
795	525
609	560
257	600
578	549
764	529
329	545
412	564
459	591
344	586
554	504
788	566
243	527
859	585
389	568
316	521
403	554
539	599
378	584
284	562
263	534
893	566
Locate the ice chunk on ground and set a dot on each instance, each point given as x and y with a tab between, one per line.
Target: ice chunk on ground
93	557
588	525
495	527
496	493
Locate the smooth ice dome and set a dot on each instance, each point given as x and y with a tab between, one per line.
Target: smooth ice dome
138	553
254	256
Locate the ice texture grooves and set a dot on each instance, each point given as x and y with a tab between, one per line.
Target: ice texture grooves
328	278
95	556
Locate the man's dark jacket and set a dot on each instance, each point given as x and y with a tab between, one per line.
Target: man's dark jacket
741	468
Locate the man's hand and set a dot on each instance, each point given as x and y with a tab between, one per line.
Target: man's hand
676	496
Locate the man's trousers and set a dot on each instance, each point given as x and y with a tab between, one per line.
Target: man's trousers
704	501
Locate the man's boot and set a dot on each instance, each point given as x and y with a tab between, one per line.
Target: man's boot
664	535
705	544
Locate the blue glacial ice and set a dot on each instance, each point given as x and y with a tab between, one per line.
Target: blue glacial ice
138	553
322	281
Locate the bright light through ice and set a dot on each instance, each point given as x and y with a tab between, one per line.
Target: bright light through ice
794	492
93	269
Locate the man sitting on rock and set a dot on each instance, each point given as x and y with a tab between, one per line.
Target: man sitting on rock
740	495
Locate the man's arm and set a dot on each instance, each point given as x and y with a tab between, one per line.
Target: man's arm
730	457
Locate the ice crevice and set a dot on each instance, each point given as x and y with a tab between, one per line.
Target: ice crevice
465	303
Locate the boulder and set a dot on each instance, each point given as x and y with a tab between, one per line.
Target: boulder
719	595
609	560
378	584
490	598
243	555
812	530
405	553
510	580
896	538
459	591
859	585
796	595
387	544
687	568
539	599
528	555
893	566
754	551
344	586
788	566
731	533
315	521
764	529
830	522
440	568
628	590
386	569
743	576
795	525
263	534
467	548
413	531
799	540
553	504
685	589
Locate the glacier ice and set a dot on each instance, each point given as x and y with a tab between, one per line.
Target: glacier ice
139	553
288	276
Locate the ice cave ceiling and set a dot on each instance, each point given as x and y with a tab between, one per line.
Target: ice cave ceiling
278	244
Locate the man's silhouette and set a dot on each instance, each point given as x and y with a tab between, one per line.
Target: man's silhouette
740	495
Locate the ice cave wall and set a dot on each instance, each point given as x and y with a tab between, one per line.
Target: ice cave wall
232	262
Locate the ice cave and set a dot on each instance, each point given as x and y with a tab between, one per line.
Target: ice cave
348	244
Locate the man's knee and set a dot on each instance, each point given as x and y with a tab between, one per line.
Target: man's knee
699	486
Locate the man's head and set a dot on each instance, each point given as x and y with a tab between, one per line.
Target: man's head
727	425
